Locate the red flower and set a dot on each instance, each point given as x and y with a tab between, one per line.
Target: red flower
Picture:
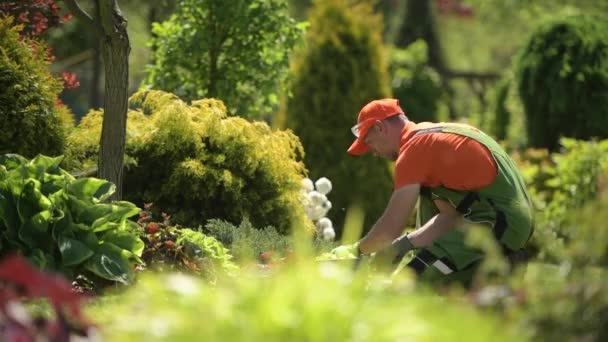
265	257
69	79
152	228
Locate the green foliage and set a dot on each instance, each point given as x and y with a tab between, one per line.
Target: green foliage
62	223
245	241
560	183
299	303
574	181
502	115
236	51
566	300
415	83
197	163
341	69
173	248
559	74
31	121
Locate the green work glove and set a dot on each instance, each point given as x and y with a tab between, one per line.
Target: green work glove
347	251
393	254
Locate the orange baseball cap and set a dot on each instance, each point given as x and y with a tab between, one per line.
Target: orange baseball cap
375	110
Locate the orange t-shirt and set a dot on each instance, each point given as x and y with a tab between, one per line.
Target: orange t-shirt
452	160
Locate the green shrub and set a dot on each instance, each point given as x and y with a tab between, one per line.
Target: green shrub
414	83
562	74
234	50
31	121
246	242
341	68
197	164
62	223
502	115
560	183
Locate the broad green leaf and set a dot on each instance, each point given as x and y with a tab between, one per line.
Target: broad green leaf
110	263
34	231
88	238
73	252
8	211
101	216
77	206
38	259
51	184
63	226
12	161
125	240
91	189
68	176
48	164
31	200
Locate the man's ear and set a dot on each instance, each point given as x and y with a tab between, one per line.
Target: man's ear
381	126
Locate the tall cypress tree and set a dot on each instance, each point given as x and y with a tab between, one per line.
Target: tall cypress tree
339	70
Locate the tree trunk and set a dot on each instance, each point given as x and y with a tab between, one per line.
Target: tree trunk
111	28
115	51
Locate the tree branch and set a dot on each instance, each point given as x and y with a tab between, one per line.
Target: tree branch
82	15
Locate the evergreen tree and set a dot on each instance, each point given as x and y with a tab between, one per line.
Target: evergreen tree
341	68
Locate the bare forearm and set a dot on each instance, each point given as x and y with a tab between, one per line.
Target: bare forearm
377	238
433	229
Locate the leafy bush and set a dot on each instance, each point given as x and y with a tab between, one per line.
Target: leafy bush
62	223
246	242
559	183
415	83
233	50
173	248
502	116
561	74
198	164
340	69
32	122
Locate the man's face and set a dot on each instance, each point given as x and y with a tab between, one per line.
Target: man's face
379	142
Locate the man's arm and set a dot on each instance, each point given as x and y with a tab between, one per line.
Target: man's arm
393	220
447	219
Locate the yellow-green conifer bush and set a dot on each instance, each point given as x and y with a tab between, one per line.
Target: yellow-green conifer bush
340	69
31	122
197	163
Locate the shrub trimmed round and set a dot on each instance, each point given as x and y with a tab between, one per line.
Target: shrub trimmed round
197	163
562	77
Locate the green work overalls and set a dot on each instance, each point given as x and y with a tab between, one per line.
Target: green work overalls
504	206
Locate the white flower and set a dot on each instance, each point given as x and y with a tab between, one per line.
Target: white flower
315	212
307	185
317	198
326	205
323	223
323	185
329	234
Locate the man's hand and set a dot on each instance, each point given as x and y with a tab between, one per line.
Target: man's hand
346	251
393	254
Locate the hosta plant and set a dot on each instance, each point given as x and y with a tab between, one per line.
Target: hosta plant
62	223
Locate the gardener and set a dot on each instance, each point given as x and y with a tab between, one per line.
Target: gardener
461	176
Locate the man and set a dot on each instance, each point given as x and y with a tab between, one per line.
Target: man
461	177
